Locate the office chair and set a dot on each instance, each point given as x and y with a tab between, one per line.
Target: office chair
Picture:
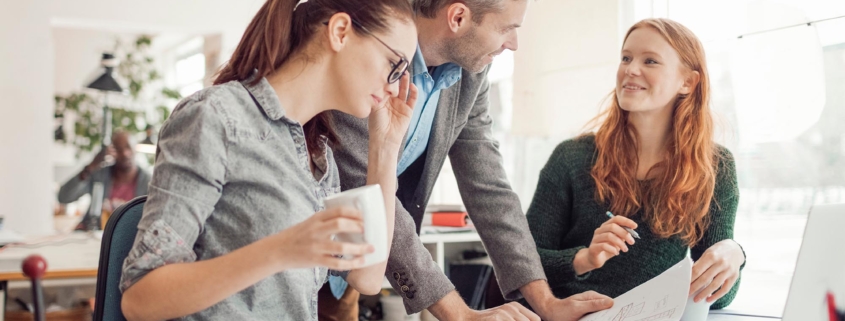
118	238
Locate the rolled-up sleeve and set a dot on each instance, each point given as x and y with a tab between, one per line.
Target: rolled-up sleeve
189	176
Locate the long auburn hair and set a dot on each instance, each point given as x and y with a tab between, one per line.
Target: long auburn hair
677	200
278	31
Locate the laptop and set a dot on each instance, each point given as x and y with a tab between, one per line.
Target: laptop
817	292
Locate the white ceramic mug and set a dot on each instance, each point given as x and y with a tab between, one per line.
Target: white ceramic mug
696	311
370	202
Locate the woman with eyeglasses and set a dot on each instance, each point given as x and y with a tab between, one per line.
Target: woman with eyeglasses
234	227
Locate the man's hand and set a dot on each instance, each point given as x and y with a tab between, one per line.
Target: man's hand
540	296
97	162
452	307
573	307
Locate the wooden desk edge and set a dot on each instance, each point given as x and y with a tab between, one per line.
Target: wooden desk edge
50	275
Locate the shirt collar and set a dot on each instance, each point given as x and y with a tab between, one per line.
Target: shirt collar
449	74
418	63
265	96
450	70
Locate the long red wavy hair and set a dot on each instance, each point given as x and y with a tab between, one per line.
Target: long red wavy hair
676	200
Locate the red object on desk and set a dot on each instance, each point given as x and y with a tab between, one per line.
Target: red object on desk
34	266
455	219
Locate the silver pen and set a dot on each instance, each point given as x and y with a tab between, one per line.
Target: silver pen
630	231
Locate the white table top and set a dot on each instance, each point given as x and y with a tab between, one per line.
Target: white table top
71	255
732	317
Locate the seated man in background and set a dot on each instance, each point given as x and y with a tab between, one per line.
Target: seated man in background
122	181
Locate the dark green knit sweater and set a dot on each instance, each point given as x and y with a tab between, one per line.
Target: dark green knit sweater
565	213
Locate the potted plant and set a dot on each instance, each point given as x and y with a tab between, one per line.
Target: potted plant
144	87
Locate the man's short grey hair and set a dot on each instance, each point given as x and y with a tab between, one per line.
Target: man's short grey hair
479	8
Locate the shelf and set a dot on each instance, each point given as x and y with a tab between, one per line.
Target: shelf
450	237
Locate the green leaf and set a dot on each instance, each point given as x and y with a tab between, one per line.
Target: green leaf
143	41
135	88
164	112
171	93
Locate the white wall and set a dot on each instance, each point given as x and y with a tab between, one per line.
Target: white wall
28	83
77	56
228	17
26	90
565	65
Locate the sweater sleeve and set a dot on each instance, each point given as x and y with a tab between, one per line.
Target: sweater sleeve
549	216
722	217
74	188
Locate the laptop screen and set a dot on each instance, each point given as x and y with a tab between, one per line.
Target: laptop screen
817	292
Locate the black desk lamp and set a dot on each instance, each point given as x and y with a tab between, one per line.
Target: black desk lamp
105	83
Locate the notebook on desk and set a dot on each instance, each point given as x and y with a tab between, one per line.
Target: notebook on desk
817	292
9	237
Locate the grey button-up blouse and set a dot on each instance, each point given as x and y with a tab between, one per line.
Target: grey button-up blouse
232	169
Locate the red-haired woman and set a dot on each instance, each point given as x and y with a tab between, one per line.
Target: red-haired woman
653	163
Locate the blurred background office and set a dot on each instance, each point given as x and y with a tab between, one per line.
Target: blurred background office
778	79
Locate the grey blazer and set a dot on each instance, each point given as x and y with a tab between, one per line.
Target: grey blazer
461	130
75	187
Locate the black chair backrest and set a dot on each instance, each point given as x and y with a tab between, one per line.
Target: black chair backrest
118	238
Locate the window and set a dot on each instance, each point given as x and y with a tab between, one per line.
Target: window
190	72
190	67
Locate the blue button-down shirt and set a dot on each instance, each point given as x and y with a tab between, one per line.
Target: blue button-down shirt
429	86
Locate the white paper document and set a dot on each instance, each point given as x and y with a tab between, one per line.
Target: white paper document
663	298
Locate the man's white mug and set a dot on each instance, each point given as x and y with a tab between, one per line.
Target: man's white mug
369	200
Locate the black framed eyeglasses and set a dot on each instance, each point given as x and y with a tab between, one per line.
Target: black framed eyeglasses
399	68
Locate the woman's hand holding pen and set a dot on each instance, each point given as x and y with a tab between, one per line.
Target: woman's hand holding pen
609	240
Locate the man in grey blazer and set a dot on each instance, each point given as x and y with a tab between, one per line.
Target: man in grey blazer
457	43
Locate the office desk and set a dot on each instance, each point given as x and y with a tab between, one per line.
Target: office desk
68	256
732	317
447	246
71	260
